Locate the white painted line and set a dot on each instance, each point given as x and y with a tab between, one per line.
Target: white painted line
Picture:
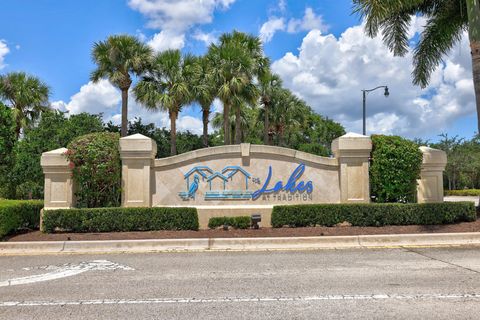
428	296
64	271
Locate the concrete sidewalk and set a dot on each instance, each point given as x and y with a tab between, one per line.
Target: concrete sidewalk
239	244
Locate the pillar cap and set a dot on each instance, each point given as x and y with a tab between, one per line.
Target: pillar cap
352	144
433	156
137	146
55	158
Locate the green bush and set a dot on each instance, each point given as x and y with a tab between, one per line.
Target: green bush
120	219
242	222
465	192
372	214
97	169
18	214
394	169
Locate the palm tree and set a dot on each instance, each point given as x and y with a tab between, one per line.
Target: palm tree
268	84
204	91
117	59
446	20
166	86
27	96
288	114
247	97
236	59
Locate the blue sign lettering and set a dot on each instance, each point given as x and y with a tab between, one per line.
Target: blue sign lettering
290	186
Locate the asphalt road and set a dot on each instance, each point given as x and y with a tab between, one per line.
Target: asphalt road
421	283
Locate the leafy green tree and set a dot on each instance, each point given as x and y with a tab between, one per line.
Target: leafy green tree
7	142
203	88
269	83
53	131
27	96
119	58
236	59
166	86
446	20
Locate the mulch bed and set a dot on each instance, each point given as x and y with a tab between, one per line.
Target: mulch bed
263	232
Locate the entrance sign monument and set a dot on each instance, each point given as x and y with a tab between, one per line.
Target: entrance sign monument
244	179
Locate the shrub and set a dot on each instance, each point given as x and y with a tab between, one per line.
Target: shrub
17	214
97	169
120	219
372	214
394	169
242	222
465	192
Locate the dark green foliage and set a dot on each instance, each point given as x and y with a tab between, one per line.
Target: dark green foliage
120	219
19	214
52	132
97	169
7	142
242	222
394	169
373	214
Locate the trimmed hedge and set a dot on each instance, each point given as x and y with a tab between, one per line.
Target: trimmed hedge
373	214
242	222
19	214
120	219
394	169
465	192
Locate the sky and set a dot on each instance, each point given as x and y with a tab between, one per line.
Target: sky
318	48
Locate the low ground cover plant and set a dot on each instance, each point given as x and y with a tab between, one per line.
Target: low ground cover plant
464	192
19	214
242	222
373	214
120	219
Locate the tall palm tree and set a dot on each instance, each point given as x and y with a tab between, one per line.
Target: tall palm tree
204	91
27	96
166	86
268	84
288	114
119	58
236	60
247	97
446	20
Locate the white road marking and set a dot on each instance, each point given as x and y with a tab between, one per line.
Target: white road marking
452	296
66	270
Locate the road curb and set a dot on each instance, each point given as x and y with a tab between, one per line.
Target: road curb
239	244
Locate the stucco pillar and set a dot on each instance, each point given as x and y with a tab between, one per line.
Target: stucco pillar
59	186
138	154
353	153
430	184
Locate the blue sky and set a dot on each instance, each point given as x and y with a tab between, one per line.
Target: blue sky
309	47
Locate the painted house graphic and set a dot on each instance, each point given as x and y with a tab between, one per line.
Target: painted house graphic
229	183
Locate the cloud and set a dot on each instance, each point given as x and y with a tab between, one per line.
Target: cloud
309	22
329	73
102	97
174	18
4	50
167	40
206	38
270	27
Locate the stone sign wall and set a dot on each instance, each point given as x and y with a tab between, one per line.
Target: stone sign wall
240	179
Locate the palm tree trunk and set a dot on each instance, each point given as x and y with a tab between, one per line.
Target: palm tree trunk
473	8
124	112
475	48
18	129
173	132
238	126
266	139
226	124
206	114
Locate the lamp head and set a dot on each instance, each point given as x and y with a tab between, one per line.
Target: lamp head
386	93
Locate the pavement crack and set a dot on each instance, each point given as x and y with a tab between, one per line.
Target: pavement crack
440	260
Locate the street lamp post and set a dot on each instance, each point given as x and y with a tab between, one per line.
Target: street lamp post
365	91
